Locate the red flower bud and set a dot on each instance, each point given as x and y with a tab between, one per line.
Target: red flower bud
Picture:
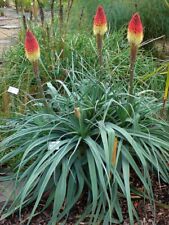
100	22
135	30
32	50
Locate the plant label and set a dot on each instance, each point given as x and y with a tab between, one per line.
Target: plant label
53	145
13	90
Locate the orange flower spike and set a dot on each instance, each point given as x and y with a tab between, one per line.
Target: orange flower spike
114	152
32	50
100	22
135	30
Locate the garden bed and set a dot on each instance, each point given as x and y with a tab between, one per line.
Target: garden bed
161	194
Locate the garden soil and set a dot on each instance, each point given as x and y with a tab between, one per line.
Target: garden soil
144	209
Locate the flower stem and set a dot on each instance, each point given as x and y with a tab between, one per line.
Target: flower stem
133	55
52	12
42	15
39	83
61	25
99	41
24	22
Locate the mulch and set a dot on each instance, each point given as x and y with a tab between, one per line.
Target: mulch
144	209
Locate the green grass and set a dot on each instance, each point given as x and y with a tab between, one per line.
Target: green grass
154	14
81	50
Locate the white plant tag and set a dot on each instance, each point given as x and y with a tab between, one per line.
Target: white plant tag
53	145
13	90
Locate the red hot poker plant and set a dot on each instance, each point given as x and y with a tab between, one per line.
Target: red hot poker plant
135	30
135	37
100	22
32	52
99	29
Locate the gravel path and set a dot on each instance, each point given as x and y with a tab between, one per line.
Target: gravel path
9	28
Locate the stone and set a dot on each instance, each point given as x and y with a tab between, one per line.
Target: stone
10	27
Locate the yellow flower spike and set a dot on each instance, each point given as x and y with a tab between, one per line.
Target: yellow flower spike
114	151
